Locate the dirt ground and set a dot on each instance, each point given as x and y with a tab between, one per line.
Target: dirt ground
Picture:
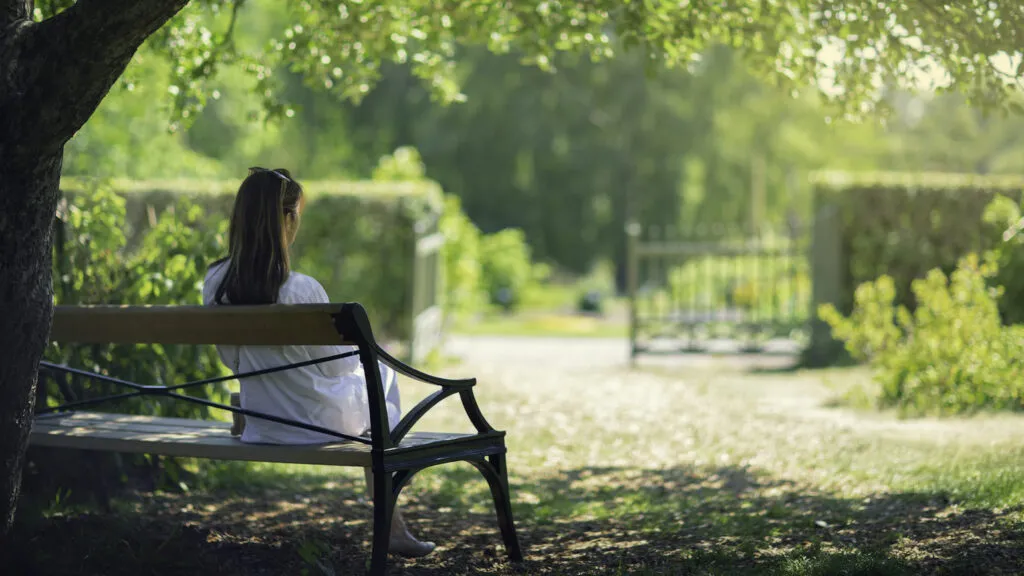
695	465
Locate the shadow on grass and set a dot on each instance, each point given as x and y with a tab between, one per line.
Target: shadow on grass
583	521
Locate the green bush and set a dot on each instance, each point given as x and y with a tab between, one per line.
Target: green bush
94	265
951	354
405	165
461	256
1002	221
507	271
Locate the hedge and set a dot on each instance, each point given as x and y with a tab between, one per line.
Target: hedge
357	238
898	224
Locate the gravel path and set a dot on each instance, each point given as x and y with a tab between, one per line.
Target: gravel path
761	382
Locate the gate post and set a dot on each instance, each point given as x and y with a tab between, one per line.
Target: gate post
415	291
426	288
632	277
827	275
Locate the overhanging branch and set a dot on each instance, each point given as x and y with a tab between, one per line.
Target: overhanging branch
12	11
67	64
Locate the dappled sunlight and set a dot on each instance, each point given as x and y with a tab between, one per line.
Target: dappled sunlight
705	467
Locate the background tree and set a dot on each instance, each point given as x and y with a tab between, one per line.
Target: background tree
59	58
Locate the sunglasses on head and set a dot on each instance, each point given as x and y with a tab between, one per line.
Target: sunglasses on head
255	169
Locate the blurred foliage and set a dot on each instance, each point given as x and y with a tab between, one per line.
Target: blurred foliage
478	268
365	259
341	46
579	152
405	165
951	354
507	270
330	89
1002	222
903	225
95	264
461	255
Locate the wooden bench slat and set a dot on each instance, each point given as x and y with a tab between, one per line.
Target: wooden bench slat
137	428
196	439
271	325
126	420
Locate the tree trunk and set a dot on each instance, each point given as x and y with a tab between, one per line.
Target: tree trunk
28	196
53	75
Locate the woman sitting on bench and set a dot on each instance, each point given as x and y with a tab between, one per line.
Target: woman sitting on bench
264	223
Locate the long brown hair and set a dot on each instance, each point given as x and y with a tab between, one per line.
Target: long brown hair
257	240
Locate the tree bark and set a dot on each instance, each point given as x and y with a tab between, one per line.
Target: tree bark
53	75
28	194
14	11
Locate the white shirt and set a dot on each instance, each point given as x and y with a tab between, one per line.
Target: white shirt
330	394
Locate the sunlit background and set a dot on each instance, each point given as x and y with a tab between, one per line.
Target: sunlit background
729	327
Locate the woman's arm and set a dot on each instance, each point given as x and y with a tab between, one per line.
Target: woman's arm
229	356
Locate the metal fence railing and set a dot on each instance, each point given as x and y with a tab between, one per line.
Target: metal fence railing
715	288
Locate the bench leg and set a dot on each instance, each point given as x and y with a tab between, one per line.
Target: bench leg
383	510
496	473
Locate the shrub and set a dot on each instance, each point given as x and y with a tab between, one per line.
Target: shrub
405	165
460	254
1002	222
951	354
461	257
506	268
94	265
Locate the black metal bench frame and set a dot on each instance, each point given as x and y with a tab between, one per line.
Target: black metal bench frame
392	464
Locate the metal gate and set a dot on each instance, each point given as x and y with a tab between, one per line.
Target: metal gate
716	290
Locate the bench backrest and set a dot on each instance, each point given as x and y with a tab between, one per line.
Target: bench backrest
275	324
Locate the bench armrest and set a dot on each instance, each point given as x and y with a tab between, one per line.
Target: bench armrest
405	369
449	387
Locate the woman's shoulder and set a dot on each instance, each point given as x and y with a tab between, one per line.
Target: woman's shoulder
299	279
216	267
301	288
213	278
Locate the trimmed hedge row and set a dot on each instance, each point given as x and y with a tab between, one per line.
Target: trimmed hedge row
896	224
904	225
357	238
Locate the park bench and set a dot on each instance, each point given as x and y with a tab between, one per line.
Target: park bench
393	457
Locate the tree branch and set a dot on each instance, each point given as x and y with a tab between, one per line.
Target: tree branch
67	64
12	11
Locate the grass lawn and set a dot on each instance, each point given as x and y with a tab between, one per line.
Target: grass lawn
695	466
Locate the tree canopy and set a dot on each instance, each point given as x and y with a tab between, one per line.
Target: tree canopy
850	50
554	154
59	59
